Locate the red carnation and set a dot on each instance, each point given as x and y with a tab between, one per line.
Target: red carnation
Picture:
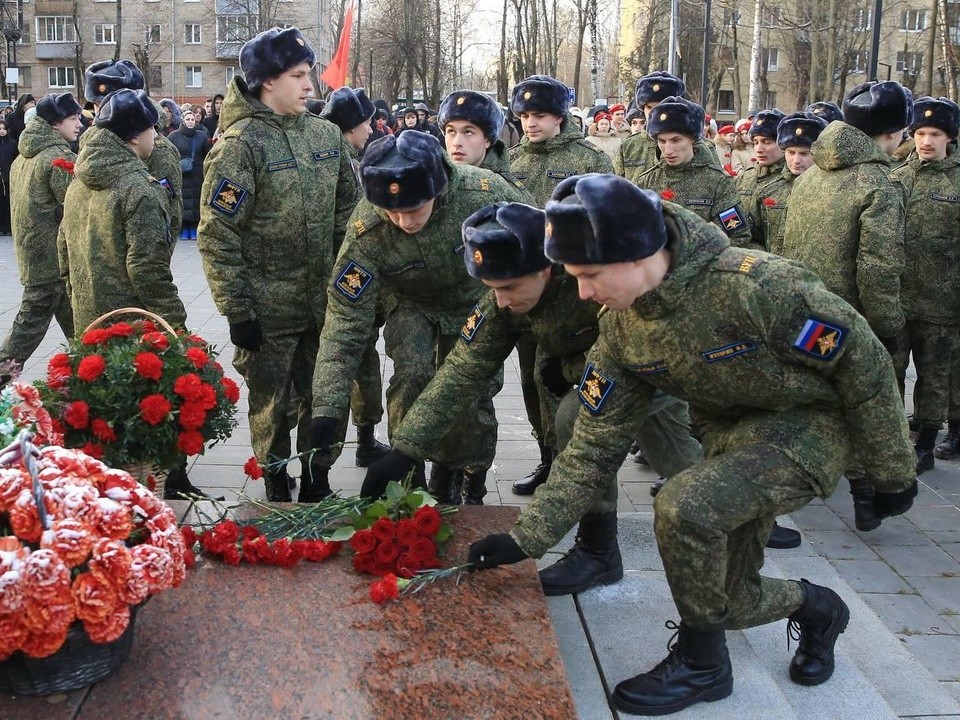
189	535
63	164
77	415
91	367
93	450
729	170
208	397
230	390
103	431
192	416
120	329
148	365
189	387
155	408
769	202
667	194
148	326
197	356
384	590
59	360
58	370
156	340
252	469
190	442
94	337
428	520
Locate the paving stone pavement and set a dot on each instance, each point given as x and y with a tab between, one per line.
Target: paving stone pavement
900	656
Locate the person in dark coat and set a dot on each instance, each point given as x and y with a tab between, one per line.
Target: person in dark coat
192	141
16	121
8	153
211	121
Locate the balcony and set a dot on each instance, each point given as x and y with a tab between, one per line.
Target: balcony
53	7
55	51
227	50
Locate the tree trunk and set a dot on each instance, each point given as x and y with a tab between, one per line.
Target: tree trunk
753	101
118	29
737	91
355	72
503	78
830	70
815	51
578	58
949	56
438	42
931	48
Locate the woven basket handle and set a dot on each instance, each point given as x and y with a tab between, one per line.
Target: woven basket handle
133	311
23	449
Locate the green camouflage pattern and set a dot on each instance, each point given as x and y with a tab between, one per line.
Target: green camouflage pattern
39	305
540	166
768	215
751	187
741	316
930	283
497	160
37	190
846	223
701	187
636	155
115	241
931	345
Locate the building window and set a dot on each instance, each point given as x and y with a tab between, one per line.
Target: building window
909	62
191	34
55	29
194	76
151	34
103	35
913	20
60	77
863	20
770	17
155	73
770	57
858	61
725	101
231	74
768	99
236	28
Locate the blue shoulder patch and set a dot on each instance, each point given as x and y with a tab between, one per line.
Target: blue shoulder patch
469	330
594	389
731	219
353	280
820	339
168	186
228	197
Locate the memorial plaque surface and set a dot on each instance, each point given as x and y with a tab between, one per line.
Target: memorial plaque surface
307	642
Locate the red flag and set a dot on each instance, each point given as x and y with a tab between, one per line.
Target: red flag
336	73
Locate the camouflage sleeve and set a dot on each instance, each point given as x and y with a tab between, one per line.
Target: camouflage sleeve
618	162
347	195
486	341
602	164
728	213
226	203
825	334
60	178
880	259
63	259
147	230
351	308
164	162
613	402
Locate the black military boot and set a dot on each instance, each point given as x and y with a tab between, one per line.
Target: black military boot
783	538
594	558
864	515
314	483
278	485
950	447
656	486
539	476
913	423
475	487
369	449
445	484
179	487
924	447
816	625
697	669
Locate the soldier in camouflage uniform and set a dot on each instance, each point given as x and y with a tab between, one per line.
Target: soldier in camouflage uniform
795	134
552	148
351	111
278	189
930	290
404	238
688	174
103	78
769	166
845	222
39	178
786	377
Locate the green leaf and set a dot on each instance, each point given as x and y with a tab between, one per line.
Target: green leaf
395	491
428	499
342	534
443	534
377	510
414	500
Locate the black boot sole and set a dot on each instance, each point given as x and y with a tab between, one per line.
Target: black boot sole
709	695
788	542
866	526
944	455
525	488
608	578
811	680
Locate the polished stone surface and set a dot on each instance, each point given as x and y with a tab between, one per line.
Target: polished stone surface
307	642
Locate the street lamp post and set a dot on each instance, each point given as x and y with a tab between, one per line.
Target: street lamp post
706	54
875	40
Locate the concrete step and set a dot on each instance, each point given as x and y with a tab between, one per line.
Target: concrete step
621	629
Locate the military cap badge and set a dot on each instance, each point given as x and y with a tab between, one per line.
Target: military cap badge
928	113
102	87
656	88
527	95
478	257
353	280
469	330
663	116
394	188
300	40
798	131
461	100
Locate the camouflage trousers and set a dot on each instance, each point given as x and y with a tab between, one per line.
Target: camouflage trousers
530	388
366	396
712	522
933	347
664	437
417	347
40	304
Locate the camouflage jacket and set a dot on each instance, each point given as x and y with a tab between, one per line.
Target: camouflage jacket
115	236
770	212
845	222
563	325
762	352
702	187
37	189
423	272
540	166
931	246
277	193
497	160
750	186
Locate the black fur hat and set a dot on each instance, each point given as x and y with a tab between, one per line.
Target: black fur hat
674	114
942	113
599	219
103	78
474	107
127	113
799	130
272	53
635	111
829	111
540	93
348	108
401	172
765	124
878	107
54	108
503	241
658	86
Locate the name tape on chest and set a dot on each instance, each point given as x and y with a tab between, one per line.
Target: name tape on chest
469	330
729	351
653	368
819	339
353	281
288	164
945	198
594	389
731	219
698	202
228	197
326	154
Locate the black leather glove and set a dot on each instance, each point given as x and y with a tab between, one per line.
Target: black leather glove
322	431
392	466
889	504
890	343
494	550
552	376
247	334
